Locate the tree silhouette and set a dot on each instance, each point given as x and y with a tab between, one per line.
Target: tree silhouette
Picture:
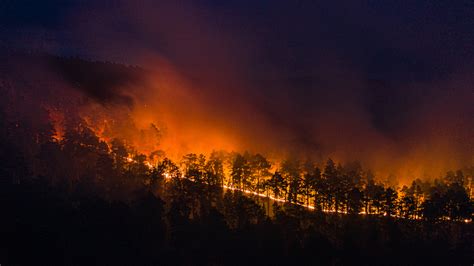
354	202
240	171
260	168
278	185
307	186
290	170
194	167
434	207
390	201
458	205
407	203
320	188
330	178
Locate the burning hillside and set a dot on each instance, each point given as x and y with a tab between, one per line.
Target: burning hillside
161	113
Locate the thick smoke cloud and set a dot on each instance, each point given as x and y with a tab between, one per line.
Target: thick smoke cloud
353	82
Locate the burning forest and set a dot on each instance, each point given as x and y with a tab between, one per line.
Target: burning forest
165	133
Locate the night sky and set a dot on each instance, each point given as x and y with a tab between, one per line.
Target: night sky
396	40
367	80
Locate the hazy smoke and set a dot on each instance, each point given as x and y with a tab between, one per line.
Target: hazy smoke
215	80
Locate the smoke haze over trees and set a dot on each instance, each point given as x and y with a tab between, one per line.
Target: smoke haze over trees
384	90
236	132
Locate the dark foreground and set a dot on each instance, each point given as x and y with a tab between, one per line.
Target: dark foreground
43	226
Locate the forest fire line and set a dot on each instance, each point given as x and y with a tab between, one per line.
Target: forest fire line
313	207
157	142
349	182
169	114
171	120
395	211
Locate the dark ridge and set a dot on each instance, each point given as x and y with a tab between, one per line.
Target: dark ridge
105	82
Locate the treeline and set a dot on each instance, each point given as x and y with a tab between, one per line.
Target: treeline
335	188
80	157
113	170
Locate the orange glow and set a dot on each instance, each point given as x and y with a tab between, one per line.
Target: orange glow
56	118
168	119
173	115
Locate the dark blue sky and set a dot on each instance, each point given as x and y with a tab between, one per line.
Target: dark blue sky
389	39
